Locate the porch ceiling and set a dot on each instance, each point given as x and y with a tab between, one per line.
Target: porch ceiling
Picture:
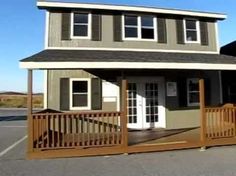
98	59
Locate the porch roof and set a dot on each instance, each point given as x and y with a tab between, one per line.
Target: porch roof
100	59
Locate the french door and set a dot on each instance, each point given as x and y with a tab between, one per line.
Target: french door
146	103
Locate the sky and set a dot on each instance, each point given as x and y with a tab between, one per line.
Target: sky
22	28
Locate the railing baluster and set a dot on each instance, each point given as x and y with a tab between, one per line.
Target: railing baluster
113	130
103	130
88	130
233	121
53	131
108	129
93	129
77	129
98	129
36	131
82	130
47	129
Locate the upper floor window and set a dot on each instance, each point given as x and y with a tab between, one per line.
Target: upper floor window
139	27
191	31
81	25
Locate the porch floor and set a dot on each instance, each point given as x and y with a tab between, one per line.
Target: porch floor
163	136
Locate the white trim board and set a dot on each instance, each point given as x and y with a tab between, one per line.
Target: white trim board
43	4
46	39
45	90
133	49
125	65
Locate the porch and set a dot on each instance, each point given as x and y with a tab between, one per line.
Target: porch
68	134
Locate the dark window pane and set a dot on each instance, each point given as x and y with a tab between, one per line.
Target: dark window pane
134	103
130	119
156	118
152	118
191	36
232	89
147	21
129	94
80	100
130	103
156	102
135	119
190	24
147	110
80	86
80	30
156	110
131	32
193	86
131	20
194	97
147	118
130	111
80	18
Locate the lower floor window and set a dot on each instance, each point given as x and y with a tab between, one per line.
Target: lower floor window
193	92
80	92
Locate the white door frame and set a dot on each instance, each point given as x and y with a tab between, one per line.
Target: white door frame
161	100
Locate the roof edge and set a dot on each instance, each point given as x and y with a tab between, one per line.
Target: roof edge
48	4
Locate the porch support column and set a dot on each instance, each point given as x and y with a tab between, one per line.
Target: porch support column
202	114
30	110
124	121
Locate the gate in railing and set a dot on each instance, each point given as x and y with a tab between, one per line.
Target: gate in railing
76	130
220	123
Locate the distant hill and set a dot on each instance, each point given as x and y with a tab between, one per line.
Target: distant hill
16	93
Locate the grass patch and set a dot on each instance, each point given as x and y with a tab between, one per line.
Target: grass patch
20	101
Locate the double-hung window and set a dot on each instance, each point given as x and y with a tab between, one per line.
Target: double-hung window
191	27
139	27
193	92
131	26
80	94
147	27
81	25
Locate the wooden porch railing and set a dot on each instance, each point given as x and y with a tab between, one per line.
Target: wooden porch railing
220	122
76	130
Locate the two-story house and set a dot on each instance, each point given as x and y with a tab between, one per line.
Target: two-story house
140	66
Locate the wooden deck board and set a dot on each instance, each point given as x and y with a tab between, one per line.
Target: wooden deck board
164	136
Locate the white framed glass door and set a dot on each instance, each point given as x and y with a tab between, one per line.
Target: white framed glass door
146	103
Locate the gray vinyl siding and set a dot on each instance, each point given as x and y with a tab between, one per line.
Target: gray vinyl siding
108	42
54	77
188	117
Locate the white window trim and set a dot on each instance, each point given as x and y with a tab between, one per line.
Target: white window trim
197	28
89	26
89	94
139	38
188	103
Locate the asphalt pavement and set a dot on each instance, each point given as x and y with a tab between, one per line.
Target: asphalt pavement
216	161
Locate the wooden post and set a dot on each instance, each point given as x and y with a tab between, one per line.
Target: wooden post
124	121
30	109
202	114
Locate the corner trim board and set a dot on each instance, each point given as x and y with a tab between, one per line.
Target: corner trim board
46	39
217	38
45	94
